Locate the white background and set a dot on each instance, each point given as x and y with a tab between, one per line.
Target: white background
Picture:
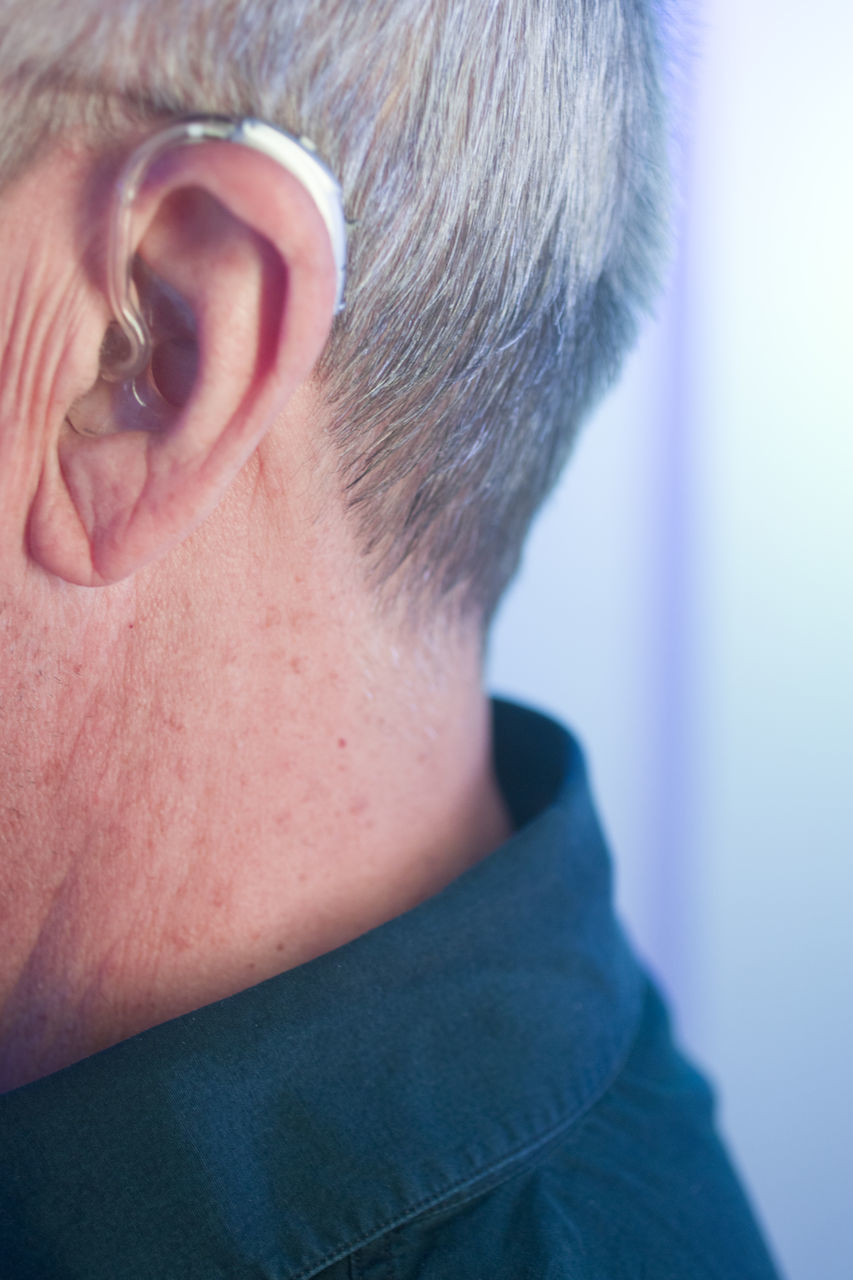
686	603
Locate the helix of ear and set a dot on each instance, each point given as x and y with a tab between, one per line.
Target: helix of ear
149	356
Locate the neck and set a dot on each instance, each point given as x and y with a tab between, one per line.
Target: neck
215	794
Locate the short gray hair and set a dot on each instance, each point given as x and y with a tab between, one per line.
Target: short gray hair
504	168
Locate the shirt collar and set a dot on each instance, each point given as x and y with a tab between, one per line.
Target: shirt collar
274	1131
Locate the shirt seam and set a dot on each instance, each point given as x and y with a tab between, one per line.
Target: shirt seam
491	1174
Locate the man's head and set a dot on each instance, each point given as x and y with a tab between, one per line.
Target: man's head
503	170
220	757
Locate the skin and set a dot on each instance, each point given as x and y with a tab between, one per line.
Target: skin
220	757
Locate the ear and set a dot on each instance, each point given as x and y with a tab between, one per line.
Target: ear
236	271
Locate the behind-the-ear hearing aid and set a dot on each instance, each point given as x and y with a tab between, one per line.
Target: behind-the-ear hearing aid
127	347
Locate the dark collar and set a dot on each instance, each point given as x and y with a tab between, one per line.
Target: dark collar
273	1132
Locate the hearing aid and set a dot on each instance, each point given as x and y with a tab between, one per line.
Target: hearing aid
127	347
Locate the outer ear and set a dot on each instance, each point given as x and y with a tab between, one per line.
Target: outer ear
243	270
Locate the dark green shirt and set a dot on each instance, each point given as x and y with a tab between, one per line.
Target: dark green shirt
482	1089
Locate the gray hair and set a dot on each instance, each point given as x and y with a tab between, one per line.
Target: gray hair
504	168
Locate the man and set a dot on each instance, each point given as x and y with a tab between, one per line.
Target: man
309	966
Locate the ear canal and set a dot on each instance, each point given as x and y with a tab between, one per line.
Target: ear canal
173	370
150	400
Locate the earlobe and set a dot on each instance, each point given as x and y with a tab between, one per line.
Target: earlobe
237	275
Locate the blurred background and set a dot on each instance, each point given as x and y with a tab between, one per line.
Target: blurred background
686	604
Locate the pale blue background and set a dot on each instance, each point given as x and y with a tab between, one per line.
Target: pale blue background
686	603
